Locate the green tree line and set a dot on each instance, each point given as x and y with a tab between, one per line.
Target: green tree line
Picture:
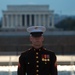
0	23
66	24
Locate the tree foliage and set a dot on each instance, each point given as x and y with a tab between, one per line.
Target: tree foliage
66	24
0	22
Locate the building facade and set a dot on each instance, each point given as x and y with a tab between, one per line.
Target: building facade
23	16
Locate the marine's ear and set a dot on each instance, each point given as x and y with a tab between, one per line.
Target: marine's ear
30	38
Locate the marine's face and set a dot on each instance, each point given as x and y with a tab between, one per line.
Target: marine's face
37	41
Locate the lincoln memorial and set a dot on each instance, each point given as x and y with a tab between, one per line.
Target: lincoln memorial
23	16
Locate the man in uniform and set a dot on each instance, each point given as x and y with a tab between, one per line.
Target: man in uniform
37	60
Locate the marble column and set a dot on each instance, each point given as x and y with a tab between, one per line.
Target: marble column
20	22
39	20
16	20
7	21
44	21
11	24
48	22
4	21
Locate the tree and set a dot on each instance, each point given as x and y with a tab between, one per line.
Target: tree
66	24
0	22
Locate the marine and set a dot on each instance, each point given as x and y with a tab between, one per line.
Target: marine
37	60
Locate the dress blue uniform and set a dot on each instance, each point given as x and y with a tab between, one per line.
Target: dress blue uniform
37	61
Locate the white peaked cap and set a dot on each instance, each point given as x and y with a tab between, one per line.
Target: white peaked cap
36	29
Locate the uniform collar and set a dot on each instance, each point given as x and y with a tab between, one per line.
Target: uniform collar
39	49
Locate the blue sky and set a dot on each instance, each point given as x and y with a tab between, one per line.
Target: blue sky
64	7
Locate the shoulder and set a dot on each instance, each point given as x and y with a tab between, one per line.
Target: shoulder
48	50
25	53
52	53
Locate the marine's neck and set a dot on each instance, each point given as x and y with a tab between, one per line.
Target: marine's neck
37	47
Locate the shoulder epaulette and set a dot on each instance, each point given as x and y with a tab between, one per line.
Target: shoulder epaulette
48	50
26	50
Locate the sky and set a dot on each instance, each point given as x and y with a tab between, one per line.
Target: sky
61	7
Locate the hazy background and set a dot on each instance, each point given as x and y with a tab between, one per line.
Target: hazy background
64	7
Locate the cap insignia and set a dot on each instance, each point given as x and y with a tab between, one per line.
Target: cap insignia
36	27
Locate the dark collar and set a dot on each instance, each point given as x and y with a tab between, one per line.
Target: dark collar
39	49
